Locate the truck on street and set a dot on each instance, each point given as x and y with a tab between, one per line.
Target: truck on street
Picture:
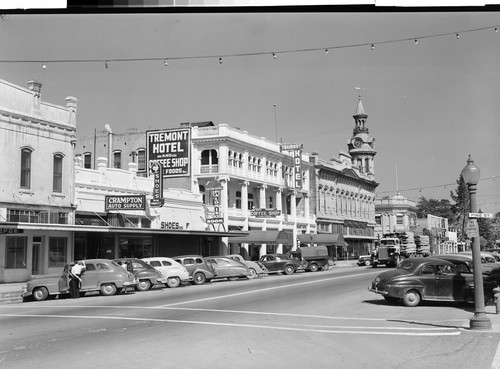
314	257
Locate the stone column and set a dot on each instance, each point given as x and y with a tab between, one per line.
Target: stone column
262	196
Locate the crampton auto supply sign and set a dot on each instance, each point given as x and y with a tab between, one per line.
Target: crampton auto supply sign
171	149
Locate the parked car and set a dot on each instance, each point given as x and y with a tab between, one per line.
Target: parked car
146	275
489	269
256	268
427	279
279	263
200	271
365	260
170	269
228	268
101	275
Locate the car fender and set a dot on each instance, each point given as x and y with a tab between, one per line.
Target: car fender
399	289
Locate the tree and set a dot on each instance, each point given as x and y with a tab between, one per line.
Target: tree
441	208
461	207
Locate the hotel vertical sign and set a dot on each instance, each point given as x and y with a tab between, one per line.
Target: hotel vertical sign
171	148
296	154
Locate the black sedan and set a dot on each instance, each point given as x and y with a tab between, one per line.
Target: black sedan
428	279
279	263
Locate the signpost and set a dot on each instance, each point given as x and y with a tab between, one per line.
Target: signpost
480	215
472	228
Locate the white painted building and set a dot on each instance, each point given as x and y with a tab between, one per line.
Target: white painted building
37	190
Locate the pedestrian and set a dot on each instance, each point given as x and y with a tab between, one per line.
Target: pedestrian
75	282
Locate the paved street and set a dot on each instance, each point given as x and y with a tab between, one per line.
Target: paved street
325	319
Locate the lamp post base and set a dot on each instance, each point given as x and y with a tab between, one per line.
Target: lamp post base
480	321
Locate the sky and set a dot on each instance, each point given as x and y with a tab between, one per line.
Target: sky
430	102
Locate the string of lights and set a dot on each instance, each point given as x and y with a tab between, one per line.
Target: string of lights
420	189
274	54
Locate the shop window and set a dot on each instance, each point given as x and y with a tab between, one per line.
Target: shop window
117	159
57	251
26	168
15	252
141	160
57	173
87	160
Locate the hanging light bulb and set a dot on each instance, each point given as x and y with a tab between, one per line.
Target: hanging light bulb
496	29
106	64
416	42
44	66
274	55
458	36
373	47
326	51
165	62
220	60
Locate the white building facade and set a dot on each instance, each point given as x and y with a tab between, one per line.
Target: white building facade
37	203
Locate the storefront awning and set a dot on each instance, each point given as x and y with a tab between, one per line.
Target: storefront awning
102	229
323	238
268	237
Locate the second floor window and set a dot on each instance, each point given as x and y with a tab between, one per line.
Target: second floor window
57	174
117	159
141	160
25	168
87	160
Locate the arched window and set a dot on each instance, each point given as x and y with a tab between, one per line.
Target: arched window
57	173
230	158
26	168
209	161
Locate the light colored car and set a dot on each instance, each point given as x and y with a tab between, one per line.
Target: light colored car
256	269
101	275
170	269
228	268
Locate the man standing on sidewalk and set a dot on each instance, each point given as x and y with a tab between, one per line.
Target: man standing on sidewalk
75	282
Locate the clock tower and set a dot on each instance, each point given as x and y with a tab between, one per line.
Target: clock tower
361	147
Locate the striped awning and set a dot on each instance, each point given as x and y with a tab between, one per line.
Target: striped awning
267	237
323	238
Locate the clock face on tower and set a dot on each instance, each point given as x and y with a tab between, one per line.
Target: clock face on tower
357	143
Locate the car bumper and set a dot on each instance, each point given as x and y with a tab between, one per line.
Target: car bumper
162	280
375	290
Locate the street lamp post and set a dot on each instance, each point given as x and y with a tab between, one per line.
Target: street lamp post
470	174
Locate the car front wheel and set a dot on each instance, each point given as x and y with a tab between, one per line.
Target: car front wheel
173	282
289	270
411	298
143	285
108	289
368	262
40	293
